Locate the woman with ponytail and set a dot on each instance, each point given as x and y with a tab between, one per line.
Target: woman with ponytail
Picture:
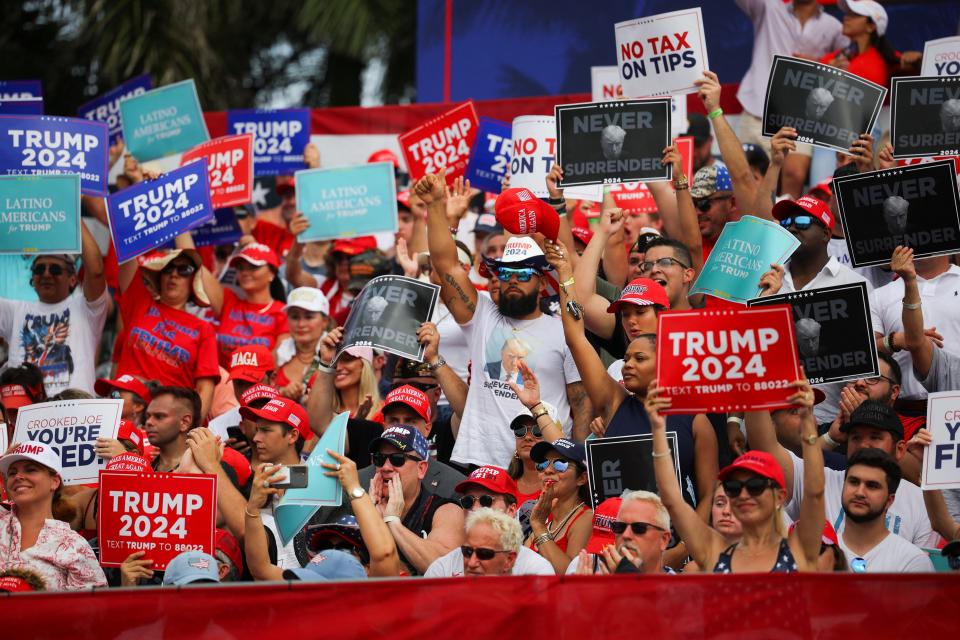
34	533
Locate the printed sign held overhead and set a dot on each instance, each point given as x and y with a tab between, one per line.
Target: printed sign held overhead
915	206
835	336
609	142
827	106
662	54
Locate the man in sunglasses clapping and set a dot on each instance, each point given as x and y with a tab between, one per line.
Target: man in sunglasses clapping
488	488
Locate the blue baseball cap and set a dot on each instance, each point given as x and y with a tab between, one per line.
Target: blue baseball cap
567	448
487	223
403	437
190	567
328	565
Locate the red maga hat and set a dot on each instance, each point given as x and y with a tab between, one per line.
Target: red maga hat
521	212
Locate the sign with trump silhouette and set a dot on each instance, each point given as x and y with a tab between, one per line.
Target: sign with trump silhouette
387	314
925	117
835	338
611	142
913	206
716	361
827	106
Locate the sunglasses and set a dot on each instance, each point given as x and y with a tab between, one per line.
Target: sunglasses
638	528
183	270
523	275
396	459
858	565
115	395
482	552
704	204
663	263
801	223
755	486
558	465
52	269
954	562
467	502
522	431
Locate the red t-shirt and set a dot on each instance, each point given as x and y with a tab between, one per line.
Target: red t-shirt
164	344
869	65
274	236
340	303
243	323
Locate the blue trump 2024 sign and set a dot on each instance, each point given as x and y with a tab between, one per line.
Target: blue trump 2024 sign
40	214
149	214
279	137
221	229
347	201
21	97
743	253
490	157
106	108
163	122
43	145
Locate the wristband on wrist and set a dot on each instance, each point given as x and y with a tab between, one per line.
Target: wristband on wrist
250	515
833	444
323	367
912	306
389	519
886	344
540	539
716	112
660	454
556	201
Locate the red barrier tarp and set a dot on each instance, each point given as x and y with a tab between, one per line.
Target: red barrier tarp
548	608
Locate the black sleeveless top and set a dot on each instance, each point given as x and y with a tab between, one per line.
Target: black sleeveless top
631	419
785	560
420	519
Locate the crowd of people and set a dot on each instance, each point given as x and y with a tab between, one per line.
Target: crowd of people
472	461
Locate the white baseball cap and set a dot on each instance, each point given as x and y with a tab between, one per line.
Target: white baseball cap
309	298
867	8
36	451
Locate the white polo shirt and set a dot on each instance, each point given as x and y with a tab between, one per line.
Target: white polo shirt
777	31
940	297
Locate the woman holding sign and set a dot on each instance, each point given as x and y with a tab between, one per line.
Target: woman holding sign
757	490
34	533
163	341
621	405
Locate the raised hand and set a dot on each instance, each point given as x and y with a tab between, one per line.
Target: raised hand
529	393
709	92
329	344
771	281
553	179
431	188
782	144
901	263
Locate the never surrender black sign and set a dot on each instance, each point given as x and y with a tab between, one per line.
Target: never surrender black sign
609	142
827	106
387	314
925	117
835	338
913	206
622	463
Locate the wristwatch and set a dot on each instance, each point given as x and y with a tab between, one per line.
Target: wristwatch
357	493
436	365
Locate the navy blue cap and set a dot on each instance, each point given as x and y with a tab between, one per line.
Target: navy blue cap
403	437
567	448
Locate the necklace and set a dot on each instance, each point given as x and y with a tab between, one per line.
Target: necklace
309	359
553	531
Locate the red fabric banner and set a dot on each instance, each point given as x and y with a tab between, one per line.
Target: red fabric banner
696	606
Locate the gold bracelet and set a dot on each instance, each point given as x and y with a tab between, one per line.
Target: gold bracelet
251	515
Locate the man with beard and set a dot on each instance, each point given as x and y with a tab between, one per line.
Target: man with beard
872	425
869	488
485	437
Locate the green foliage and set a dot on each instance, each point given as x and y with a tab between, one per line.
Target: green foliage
239	53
